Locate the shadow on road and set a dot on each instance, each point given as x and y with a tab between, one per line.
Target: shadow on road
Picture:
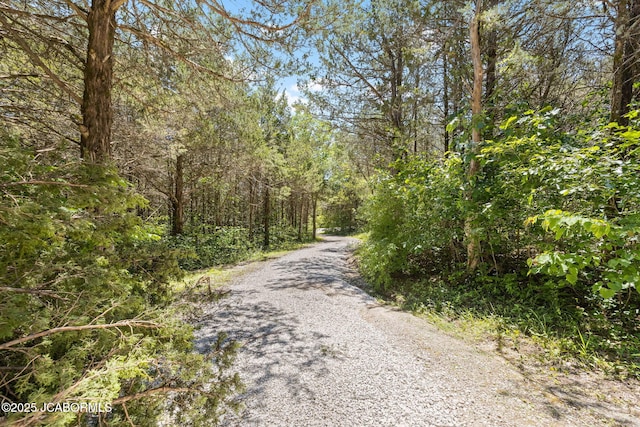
270	337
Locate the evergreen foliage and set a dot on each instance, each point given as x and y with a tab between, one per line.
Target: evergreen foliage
84	313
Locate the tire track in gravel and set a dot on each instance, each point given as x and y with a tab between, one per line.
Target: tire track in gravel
318	351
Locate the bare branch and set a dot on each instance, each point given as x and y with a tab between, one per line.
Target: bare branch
117	4
30	14
357	71
215	6
166	11
128	323
18	76
81	13
159	43
64	184
31	291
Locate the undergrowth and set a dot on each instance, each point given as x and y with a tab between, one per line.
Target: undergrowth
205	247
596	334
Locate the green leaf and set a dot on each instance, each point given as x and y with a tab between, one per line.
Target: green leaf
607	293
600	229
508	122
559	233
453	124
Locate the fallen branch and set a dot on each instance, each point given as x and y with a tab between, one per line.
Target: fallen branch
130	324
31	291
66	184
149	392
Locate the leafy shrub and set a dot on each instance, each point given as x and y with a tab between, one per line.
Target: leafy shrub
414	220
595	252
596	243
582	186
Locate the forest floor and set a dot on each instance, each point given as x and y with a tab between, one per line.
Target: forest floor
319	351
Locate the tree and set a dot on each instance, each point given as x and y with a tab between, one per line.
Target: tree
25	24
373	82
473	240
275	118
83	307
347	185
97	114
307	158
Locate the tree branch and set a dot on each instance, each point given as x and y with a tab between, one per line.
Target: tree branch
5	9
152	391
129	323
31	291
36	59
216	7
81	13
357	72
65	184
159	43
117	4
18	76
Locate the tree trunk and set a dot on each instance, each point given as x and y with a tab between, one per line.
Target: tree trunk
445	98
490	82
97	115
177	201
306	217
624	59
267	205
250	220
314	207
473	239
282	214
217	207
456	73
415	110
301	204
396	113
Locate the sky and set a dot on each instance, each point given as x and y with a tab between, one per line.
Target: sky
289	84
292	91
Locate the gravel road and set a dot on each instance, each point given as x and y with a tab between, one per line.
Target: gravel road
318	351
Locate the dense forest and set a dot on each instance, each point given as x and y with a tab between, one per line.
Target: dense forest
489	150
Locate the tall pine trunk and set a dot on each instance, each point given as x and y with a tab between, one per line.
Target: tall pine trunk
314	206
473	239
177	201
445	99
267	213
250	219
491	76
301	205
97	115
